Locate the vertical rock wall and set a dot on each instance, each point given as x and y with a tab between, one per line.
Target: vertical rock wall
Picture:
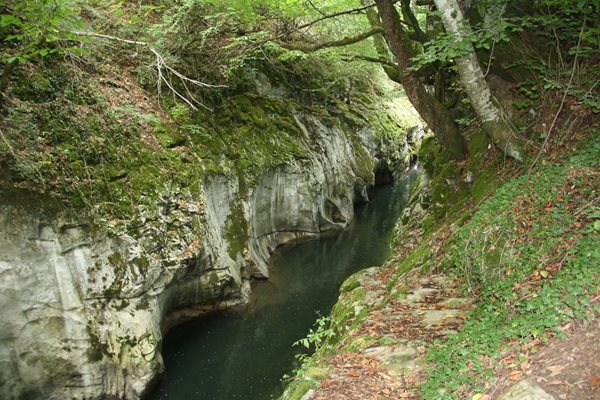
85	309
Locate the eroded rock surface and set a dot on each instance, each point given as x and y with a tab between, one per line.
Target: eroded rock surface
86	305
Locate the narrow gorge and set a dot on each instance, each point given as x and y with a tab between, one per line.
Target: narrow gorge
251	346
186	186
96	300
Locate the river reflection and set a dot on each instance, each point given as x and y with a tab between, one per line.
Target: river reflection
243	355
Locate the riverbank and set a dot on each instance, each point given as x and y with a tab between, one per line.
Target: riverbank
460	311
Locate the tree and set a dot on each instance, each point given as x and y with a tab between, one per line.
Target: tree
473	81
437	117
400	41
390	68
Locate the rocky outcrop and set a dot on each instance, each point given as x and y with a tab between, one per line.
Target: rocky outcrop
84	309
85	305
304	198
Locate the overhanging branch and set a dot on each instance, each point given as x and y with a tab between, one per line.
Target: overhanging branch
377	60
161	67
316	21
338	43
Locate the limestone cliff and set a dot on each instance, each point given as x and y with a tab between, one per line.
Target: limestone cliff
86	301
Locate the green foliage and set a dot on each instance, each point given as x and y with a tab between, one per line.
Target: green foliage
549	17
79	148
38	28
76	134
556	26
235	35
318	337
444	48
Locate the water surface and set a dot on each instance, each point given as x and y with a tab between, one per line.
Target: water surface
244	355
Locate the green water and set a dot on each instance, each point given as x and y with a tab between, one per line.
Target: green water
243	355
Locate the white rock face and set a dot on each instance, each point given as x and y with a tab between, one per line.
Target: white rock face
84	311
527	389
304	198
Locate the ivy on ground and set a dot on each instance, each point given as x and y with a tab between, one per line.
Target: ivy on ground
531	257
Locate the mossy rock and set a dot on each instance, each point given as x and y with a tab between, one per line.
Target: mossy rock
297	389
361	343
432	157
169	135
351	307
236	230
97	349
478	147
316	373
485	183
417	259
427	153
446	194
94	157
450	170
349	284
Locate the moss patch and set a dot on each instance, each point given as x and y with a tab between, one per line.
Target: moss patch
349	284
97	349
478	147
297	389
236	230
484	183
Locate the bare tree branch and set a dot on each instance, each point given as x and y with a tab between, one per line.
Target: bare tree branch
316	21
316	8
161	66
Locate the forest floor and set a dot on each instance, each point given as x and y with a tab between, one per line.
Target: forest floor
567	368
392	365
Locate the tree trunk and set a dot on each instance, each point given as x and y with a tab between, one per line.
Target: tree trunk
379	43
474	82
432	111
378	40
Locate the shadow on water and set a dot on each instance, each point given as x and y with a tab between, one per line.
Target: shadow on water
244	355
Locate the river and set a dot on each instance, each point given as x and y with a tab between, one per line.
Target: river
243	355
